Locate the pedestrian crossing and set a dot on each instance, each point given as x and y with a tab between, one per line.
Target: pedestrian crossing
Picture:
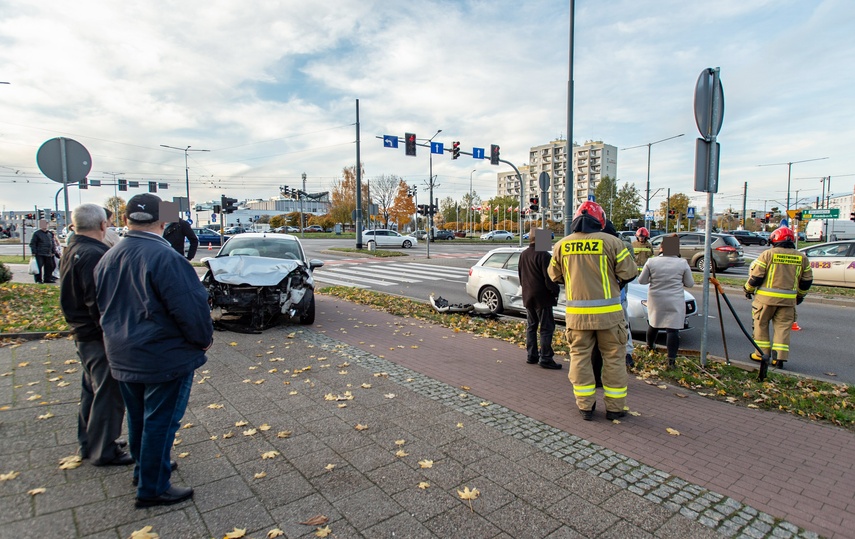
379	275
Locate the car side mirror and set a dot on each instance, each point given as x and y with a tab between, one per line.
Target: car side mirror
315	263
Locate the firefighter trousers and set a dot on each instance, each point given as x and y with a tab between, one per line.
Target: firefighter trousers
781	317
612	345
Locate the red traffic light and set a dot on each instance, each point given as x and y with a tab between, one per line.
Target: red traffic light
455	149
494	154
410	143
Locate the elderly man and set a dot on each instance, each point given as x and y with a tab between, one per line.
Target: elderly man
43	247
99	421
157	327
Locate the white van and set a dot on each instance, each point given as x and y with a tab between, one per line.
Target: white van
837	229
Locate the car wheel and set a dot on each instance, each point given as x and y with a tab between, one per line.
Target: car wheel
407	244
762	243
700	262
309	318
491	297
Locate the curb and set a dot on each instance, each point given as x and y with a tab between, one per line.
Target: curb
35	335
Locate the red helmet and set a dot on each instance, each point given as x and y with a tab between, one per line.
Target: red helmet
642	233
782	234
594	210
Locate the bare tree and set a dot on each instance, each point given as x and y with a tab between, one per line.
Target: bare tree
384	189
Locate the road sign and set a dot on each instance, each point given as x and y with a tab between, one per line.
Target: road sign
648	214
592	198
390	141
478	153
78	162
707	117
792	213
831	213
543	181
189	221
436	147
690	212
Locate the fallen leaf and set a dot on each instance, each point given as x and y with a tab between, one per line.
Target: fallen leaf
460	425
365	386
70	463
316	520
831	374
662	386
241	423
468	495
236	533
426	463
70	371
465	388
400	442
389	395
260	475
323	532
24	364
9	476
259	382
214	437
401	453
269	455
275	532
187	426
250	432
361	427
484	403
63	384
672	432
753	406
228	435
46	416
34	397
423	485
731	399
144	533
329	467
681	395
183	455
233	343
215	406
633	413
264	427
284	434
176	442
342	405
292	392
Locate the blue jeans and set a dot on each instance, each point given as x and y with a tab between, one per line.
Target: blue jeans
154	415
546	320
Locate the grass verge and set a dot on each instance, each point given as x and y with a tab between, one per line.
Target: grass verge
30	307
379	253
803	397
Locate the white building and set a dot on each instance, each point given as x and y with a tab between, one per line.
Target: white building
592	161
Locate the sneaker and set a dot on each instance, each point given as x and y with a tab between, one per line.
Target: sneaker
588	415
611	416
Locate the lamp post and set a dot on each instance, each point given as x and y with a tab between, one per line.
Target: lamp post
649	144
789	173
186	170
430	193
301	195
470	217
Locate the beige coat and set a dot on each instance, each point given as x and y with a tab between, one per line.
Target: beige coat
666	275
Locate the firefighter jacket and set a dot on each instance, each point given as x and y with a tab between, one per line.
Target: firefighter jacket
642	251
779	276
592	267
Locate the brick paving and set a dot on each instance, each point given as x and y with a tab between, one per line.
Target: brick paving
514	435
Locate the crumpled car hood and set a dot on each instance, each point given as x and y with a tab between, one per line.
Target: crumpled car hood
252	270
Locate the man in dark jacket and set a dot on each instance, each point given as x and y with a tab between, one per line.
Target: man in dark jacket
157	327
43	247
175	234
539	294
99	420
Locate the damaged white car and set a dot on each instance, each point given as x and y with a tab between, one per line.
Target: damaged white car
257	279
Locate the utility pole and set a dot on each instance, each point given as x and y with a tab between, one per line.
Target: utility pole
302	195
358	185
744	204
116	195
186	170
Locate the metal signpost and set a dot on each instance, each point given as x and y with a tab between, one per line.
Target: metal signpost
65	161
709	114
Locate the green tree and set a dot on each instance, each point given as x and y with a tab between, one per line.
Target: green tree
343	196
117	206
627	205
680	204
276	221
606	196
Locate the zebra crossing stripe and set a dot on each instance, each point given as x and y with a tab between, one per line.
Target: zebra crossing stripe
348	272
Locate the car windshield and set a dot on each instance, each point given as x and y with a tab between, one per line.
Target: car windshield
730	240
267	247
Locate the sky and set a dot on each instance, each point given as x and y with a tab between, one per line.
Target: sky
271	88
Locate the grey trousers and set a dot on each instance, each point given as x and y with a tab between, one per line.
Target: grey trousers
99	421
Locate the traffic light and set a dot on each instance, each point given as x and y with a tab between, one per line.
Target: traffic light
410	143
53	216
852	216
798	216
216	208
30	216
754	215
84	183
423	209
455	149
432	209
768	217
123	185
534	204
228	204
41	214
672	213
494	154
152	187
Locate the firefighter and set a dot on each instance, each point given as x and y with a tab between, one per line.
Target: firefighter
778	280
641	247
594	266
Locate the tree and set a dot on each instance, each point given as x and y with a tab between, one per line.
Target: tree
627	205
343	196
263	219
606	194
276	221
680	204
502	208
403	207
383	191
117	206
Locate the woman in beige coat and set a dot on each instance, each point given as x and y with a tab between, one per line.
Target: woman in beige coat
666	274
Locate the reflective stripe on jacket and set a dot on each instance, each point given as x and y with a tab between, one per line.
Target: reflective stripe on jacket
779	271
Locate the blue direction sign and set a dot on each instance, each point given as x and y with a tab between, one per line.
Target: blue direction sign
690	212
478	153
390	141
592	198
436	147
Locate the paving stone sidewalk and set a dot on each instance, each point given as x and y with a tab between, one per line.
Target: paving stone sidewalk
535	479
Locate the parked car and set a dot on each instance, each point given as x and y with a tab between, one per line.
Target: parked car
258	278
388	238
526	235
749	238
234	230
497	235
443	235
725	249
207	237
833	264
314	228
494	281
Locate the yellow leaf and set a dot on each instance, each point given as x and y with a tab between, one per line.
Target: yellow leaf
40	490
187	426
24	364
465	388
34	397
401	453
636	414
342	405
323	532
70	463
236	533
9	476
144	533
400	442
259	382
360	426
329	467
184	454
485	403
265	427
175	442
389	395
63	384
342	372
467	494
681	395
241	423
269	455
275	532
284	434
365	386
260	475
662	386
460	425
426	463
215	406
250	432
232	343
214	437
228	435
46	416
616	421
423	485
672	432
292	392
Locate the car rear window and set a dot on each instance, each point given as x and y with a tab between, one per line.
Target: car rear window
730	240
497	260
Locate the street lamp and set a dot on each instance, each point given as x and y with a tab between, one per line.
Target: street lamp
186	170
789	173
302	194
649	144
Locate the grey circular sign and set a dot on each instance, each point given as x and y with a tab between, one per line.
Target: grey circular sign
77	159
707	118
543	181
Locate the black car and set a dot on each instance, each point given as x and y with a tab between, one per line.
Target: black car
748	238
443	235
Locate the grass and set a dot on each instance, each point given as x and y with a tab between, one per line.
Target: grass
15	259
811	399
30	307
379	253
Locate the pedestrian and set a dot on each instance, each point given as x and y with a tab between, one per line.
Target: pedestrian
111	238
641	247
778	280
594	266
667	274
157	327
42	247
176	232
540	295
99	418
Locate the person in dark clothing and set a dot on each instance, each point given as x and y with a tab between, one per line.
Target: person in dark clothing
157	327
43	247
99	421
540	295
175	233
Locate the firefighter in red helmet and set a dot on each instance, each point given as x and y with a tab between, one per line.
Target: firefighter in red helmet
641	248
594	266
778	280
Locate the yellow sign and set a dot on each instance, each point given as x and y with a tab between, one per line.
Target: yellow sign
792	213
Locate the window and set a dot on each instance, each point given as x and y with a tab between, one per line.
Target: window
513	262
497	260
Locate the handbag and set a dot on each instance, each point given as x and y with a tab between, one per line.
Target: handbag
56	268
34	266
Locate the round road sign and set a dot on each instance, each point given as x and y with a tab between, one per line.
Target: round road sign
77	158
708	118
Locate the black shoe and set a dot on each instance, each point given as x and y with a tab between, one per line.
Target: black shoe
672	363
531	361
122	459
588	415
122	443
611	416
172	495
172	466
551	365
629	361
